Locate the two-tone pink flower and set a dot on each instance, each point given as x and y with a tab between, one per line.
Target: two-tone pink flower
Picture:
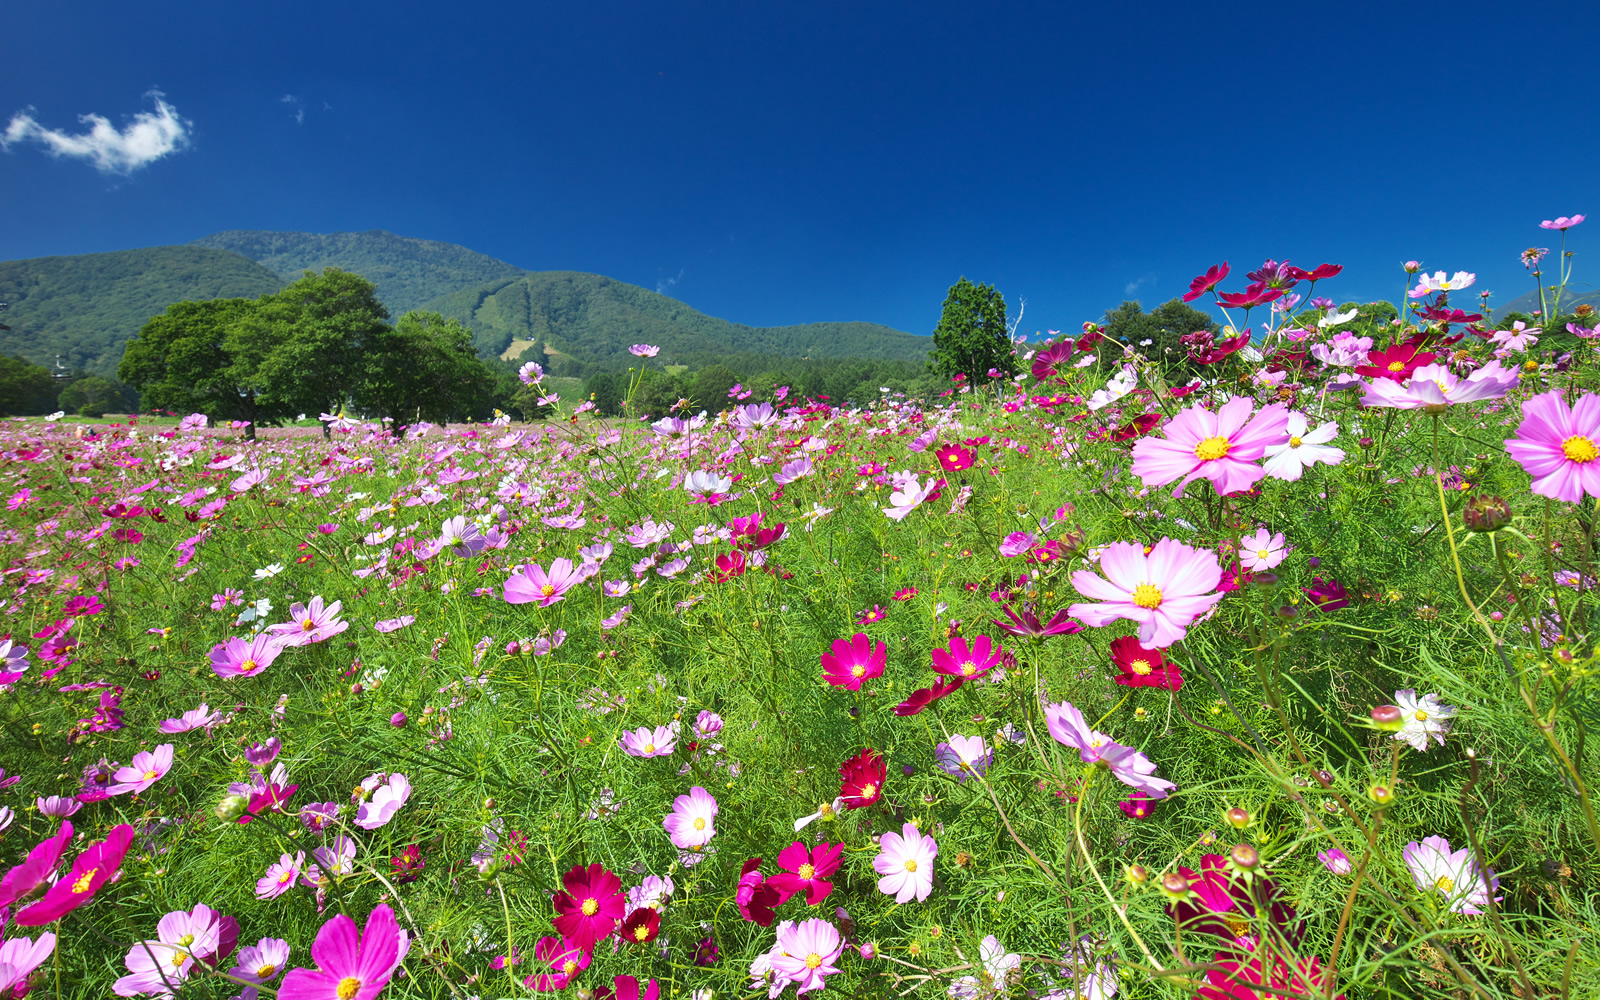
1223	447
1164	591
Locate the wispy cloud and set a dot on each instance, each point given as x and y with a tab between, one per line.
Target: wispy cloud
1133	286
299	109
662	284
147	138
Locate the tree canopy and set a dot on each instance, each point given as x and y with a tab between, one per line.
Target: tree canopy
972	337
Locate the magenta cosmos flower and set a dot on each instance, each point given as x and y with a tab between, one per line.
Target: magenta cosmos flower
532	585
1222	446
34	873
90	870
806	953
245	658
351	965
144	770
1558	447
854	661
310	623
589	905
1130	767
905	860
691	823
1164	591
806	872
967	661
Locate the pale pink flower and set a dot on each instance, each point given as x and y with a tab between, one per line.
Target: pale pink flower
1455	875
384	802
1262	550
530	584
1434	388
691	824
1561	222
1164	591
1560	447
1130	767
197	718
806	952
144	770
1222	446
647	742
905	860
260	963
963	757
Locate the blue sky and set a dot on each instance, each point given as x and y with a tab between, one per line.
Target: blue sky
781	162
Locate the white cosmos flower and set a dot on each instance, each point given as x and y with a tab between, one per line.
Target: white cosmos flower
269	571
1289	459
1452	874
1422	717
1336	318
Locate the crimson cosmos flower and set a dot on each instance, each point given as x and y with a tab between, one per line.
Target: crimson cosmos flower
953	458
862	783
1322	271
1137	428
1226	905
1025	622
806	871
642	926
1141	667
1214	276
923	697
755	898
90	870
589	906
1254	295
1231	979
728	566
1396	363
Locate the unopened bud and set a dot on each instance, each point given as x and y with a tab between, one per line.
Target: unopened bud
1266	579
1324	778
1287	612
1138	874
1387	717
1174	885
1486	513
869	950
232	807
1381	794
1244	857
1238	818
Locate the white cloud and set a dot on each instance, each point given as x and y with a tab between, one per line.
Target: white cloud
663	284
149	137
1134	285
299	110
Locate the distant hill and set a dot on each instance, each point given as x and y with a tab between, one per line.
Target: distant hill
408	272
84	308
1529	303
595	319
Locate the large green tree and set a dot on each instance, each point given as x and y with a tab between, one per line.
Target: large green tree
972	337
26	389
422	368
1163	328
181	360
316	334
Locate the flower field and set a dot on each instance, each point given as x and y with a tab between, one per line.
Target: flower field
1263	670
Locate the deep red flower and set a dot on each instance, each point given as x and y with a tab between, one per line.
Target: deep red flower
1141	667
862	779
1226	905
1051	360
1322	271
755	897
1327	595
923	697
749	535
642	926
1091	336
589	906
1183	390
1395	363
408	864
1254	295
806	872
1447	316
1217	351
953	458
1138	427
1025	622
1213	277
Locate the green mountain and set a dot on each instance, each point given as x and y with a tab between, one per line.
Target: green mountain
84	308
594	319
408	272
1528	304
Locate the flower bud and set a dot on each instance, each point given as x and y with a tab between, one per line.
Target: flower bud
1412	267
1381	794
1265	579
1174	886
1138	874
1486	513
1387	717
1287	612
397	720
869	950
1324	778
1244	857
231	807
1238	818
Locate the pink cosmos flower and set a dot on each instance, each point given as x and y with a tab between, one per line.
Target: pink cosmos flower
967	661
905	860
34	873
646	742
245	658
1263	550
854	662
1164	591
963	757
197	718
1335	861
565	960
281	876
1222	446
386	800
644	350
1129	766
394	624
911	496
310	623
144	770
530	584
1561	222
691	824
260	963
1433	388
19	957
352	965
1455	875
1559	447
56	807
90	870
807	952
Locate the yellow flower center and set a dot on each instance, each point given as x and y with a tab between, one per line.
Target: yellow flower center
186	940
308	624
699	823
808	872
548	589
81	883
1146	596
858	671
813	960
590	907
568	968
349	986
1294	442
1445	884
641	932
1397	366
869	790
911	866
1578	448
1262	553
968	668
151	776
178	958
247	666
649	748
1420	715
267	971
285	877
1211	448
1140	667
1237	925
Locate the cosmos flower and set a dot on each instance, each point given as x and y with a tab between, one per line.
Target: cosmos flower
351	964
1164	591
565	960
997	968
260	963
19	958
196	718
90	870
1026	623
310	623
280	877
854	661
963	757
1222	446
1130	767
905	860
144	770
1288	459
1559	447
806	953
1141	667
911	496
806	871
1437	282
589	905
646	742
691	823
967	661
530	584
754	896
384	802
35	871
1421	718
1561	222
1454	875
644	351
1433	388
861	779
1262	550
